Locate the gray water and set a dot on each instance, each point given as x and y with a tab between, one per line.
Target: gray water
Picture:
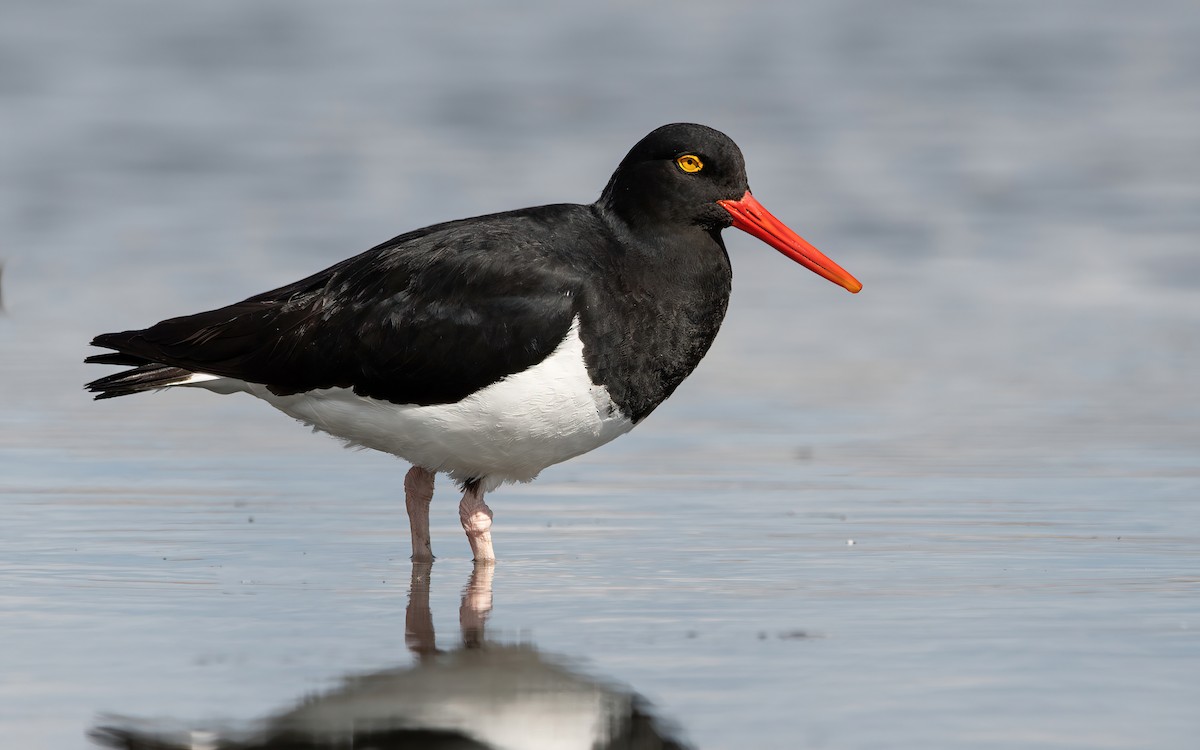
960	509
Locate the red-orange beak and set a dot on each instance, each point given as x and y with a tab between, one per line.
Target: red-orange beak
750	217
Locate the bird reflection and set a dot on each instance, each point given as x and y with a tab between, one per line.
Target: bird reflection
480	695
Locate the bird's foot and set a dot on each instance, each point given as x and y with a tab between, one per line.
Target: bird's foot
478	526
476	520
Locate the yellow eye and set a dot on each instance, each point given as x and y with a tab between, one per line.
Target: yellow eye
690	163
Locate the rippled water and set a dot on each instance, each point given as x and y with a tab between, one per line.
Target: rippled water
960	509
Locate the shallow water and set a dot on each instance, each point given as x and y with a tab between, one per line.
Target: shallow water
959	509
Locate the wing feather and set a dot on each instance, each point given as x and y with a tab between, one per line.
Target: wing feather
426	318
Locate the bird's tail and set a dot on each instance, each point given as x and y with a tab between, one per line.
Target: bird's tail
144	377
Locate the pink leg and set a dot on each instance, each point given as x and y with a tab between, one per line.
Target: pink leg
418	492
476	520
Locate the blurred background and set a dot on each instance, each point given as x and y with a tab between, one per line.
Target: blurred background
1005	422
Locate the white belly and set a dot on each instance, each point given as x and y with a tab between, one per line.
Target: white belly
506	432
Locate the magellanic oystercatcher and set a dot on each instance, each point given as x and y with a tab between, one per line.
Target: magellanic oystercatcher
490	348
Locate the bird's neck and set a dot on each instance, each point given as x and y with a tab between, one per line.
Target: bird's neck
667	290
654	240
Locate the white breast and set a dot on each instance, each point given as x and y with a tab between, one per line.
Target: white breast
508	431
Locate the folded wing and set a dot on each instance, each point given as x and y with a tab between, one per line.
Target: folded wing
426	318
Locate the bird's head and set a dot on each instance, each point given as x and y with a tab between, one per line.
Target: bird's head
687	175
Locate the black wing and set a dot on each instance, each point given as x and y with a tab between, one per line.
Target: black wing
426	318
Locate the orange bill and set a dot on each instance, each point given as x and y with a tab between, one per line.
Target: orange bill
750	217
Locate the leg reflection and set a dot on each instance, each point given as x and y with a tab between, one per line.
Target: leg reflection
476	604
418	619
472	612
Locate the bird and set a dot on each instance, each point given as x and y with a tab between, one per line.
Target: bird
490	348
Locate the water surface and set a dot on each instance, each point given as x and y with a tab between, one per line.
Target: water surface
956	510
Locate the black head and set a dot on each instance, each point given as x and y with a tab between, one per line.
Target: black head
686	176
675	176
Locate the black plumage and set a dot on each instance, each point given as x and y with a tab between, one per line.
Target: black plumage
544	332
433	315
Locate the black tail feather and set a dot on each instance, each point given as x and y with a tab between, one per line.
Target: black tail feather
117	358
146	377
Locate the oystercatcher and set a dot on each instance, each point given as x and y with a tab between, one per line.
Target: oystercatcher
490	348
